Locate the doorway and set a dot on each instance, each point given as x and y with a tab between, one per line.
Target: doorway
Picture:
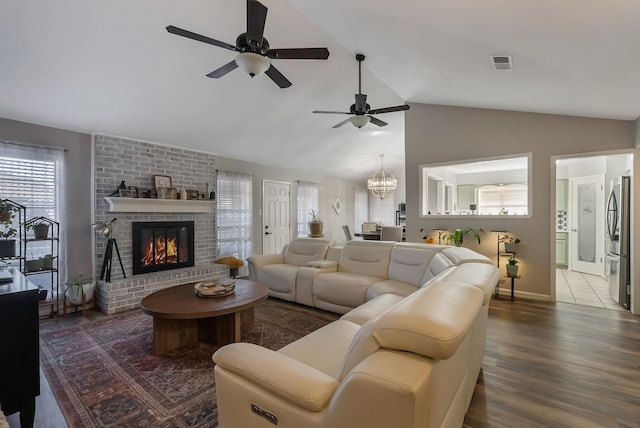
275	221
582	184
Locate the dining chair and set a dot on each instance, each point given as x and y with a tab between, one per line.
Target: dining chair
347	232
391	233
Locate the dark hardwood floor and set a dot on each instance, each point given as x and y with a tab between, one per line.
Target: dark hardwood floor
545	365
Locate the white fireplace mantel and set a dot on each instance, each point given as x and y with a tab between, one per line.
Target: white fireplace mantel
139	205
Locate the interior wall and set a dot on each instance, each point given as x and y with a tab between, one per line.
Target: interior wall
437	134
329	189
78	203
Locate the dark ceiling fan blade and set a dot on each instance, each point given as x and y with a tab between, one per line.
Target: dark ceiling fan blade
298	53
377	121
361	102
389	109
204	39
277	77
342	123
223	70
331	112
256	18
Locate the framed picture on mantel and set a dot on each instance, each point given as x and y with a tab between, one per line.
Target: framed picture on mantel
162	181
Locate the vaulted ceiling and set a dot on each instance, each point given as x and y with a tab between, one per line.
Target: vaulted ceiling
111	67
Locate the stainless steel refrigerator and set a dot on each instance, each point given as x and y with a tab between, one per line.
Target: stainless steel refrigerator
618	237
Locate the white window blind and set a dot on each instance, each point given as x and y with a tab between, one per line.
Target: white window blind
33	177
234	215
510	199
308	200
361	208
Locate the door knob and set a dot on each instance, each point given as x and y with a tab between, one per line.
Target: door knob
267	233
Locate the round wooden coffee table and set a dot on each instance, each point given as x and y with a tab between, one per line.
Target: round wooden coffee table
181	318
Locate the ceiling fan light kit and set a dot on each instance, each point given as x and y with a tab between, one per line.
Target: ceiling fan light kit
252	64
382	183
254	51
361	111
360	121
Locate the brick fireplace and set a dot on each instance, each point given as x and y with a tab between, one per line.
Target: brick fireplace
136	162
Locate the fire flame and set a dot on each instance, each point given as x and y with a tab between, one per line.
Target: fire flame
166	251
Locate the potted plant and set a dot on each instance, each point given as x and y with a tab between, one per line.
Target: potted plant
77	287
233	263
512	267
457	237
510	243
7	231
40	228
315	225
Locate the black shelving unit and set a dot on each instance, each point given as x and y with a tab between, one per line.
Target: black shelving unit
17	222
45	264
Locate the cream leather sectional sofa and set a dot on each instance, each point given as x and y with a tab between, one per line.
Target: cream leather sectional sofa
407	355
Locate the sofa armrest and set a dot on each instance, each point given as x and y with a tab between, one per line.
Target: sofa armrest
257	261
304	282
280	374
322	264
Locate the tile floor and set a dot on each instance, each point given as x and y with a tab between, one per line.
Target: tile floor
583	289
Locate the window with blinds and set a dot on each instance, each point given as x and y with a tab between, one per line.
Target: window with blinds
32	183
308	199
234	215
503	200
33	177
361	208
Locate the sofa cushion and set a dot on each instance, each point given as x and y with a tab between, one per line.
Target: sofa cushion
390	286
409	262
324	348
481	275
369	258
303	250
431	322
279	277
437	265
460	255
372	308
343	288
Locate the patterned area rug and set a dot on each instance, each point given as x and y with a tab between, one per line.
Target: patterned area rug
104	373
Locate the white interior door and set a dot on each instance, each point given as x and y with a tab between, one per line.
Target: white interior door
587	225
275	221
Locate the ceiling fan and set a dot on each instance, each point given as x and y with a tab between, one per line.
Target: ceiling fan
361	111
254	52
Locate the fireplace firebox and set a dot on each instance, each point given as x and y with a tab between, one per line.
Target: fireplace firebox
162	246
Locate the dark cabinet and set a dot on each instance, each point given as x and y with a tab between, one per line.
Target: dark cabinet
19	350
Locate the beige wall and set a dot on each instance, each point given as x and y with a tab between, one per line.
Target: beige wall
441	133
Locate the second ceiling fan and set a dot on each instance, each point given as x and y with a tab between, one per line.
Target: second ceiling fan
361	111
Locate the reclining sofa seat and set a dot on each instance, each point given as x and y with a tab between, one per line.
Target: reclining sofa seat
407	367
280	271
361	264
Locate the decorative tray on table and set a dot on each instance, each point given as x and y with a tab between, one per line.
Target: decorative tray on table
215	288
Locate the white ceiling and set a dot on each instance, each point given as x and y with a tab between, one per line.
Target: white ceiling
111	67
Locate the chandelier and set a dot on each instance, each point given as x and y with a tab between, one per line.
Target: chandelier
382	183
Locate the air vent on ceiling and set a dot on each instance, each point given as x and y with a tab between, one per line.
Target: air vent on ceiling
502	62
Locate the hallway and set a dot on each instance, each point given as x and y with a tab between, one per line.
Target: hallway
583	289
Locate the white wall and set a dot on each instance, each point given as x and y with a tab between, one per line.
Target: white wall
329	189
